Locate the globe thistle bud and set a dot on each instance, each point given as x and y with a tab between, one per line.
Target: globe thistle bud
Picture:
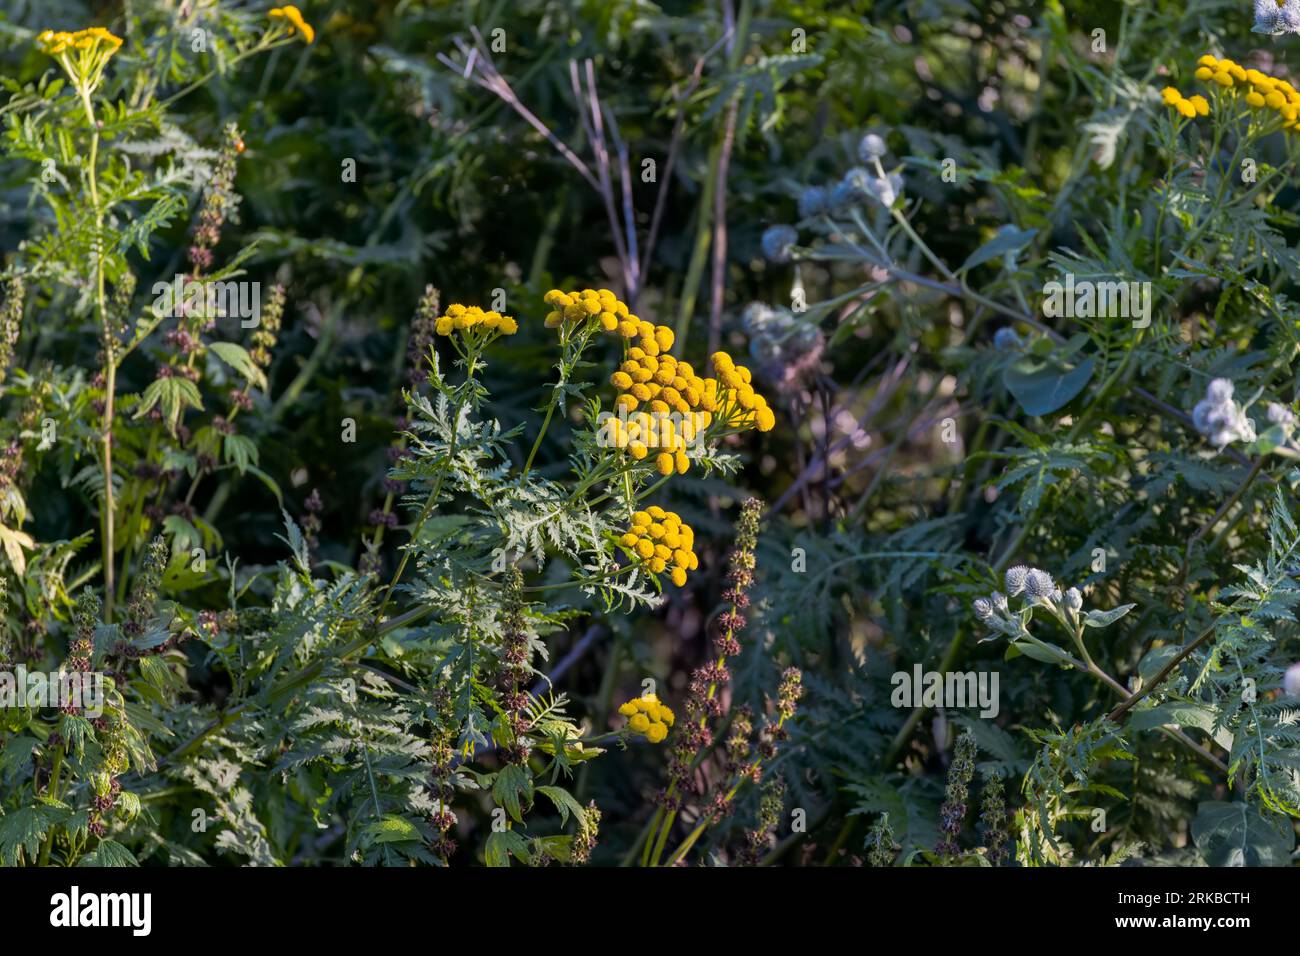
1220	419
1281	415
1074	600
1277	17
812	201
983	608
887	189
1291	681
1006	340
1016	579
778	241
1039	584
1219	391
871	147
859	183
842	195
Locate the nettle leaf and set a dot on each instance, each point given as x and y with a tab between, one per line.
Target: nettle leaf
23	830
504	844
109	853
1105	618
1236	834
565	803
510	784
1043	386
240	450
174	394
237	357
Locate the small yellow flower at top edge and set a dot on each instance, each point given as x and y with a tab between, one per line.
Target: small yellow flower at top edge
1207	60
293	15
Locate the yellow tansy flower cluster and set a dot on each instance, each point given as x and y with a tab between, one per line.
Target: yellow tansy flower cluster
662	383
662	541
1189	106
463	318
674	404
598	304
83	54
56	42
293	16
1261	90
645	715
739	406
667	435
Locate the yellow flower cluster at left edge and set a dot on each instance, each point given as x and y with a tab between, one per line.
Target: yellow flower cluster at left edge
83	54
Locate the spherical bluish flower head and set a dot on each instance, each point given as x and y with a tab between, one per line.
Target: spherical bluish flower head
1005	339
871	147
1016	579
841	195
1074	599
983	608
1219	391
1277	17
1220	419
1281	415
1039	584
812	201
778	241
858	182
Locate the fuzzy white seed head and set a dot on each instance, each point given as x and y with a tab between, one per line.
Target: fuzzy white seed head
1291	681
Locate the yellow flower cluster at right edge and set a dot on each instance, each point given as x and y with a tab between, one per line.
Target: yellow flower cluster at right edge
645	715
1262	91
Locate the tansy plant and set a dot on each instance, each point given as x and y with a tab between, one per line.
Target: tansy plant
401	700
